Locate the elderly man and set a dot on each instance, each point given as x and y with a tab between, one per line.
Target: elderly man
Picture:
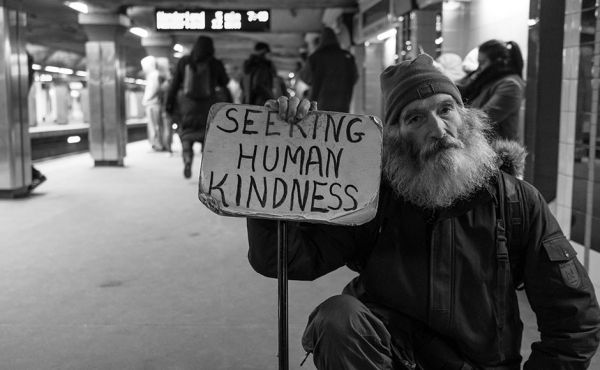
439	264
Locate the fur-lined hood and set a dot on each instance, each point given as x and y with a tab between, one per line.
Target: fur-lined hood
511	157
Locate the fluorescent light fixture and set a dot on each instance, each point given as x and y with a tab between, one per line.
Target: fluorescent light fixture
139	31
387	34
75	85
65	71
140	81
52	69
178	48
36	67
439	40
45	77
81	7
73	139
129	80
81	73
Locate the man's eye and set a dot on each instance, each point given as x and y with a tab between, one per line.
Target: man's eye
412	119
446	109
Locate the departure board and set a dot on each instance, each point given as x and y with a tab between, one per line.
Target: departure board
213	20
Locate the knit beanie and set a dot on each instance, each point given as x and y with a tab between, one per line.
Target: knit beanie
410	80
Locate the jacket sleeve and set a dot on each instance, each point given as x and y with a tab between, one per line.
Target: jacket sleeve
313	249
505	99
175	86
560	293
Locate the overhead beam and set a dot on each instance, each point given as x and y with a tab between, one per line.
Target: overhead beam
228	4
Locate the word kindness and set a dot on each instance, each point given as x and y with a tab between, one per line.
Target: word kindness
325	168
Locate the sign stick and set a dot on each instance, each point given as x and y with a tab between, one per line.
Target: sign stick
282	293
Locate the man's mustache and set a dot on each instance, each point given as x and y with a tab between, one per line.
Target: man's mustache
437	145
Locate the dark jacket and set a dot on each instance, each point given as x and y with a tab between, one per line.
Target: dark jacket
439	268
501	100
257	83
331	73
193	113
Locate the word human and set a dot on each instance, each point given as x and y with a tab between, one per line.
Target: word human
256	163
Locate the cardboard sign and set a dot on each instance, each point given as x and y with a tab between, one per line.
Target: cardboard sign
326	168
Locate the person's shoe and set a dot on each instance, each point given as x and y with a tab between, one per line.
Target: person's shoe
187	171
37	181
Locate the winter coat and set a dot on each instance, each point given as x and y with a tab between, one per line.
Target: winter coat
441	268
257	83
331	73
194	113
501	100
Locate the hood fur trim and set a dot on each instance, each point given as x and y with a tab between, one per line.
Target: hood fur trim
511	157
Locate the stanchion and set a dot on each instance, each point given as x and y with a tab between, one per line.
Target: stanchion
282	296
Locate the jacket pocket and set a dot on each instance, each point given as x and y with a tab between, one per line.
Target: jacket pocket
560	251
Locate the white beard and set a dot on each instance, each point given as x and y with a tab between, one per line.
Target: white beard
440	173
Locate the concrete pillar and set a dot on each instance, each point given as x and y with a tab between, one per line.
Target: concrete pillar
423	30
106	73
15	145
63	98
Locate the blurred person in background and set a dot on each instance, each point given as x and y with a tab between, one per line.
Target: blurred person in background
152	101
166	126
497	86
451	65
331	74
259	76
37	177
202	79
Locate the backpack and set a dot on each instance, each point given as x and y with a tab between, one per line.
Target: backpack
196	81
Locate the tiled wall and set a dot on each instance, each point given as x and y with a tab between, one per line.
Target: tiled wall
578	187
570	75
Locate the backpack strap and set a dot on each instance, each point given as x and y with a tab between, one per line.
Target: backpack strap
515	213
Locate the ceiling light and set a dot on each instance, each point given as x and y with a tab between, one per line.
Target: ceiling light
81	7
178	48
138	31
81	73
36	67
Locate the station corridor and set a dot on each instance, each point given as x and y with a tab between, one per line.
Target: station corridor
123	268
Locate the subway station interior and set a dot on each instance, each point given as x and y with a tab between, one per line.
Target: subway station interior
114	263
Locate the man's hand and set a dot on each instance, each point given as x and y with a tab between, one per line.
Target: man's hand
292	109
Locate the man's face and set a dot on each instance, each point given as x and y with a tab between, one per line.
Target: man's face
430	125
437	152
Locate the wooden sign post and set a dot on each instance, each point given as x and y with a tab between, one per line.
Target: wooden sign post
325	168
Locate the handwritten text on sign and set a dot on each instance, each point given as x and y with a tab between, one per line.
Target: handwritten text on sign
325	168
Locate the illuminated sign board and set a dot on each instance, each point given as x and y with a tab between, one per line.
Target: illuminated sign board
212	20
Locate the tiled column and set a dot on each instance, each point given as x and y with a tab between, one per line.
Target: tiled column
568	114
106	73
423	30
15	146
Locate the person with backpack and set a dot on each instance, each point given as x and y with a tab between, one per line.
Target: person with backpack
453	238
259	76
203	81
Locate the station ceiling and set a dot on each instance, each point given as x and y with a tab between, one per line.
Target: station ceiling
54	36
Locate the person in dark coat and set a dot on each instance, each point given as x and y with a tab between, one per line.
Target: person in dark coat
193	111
453	238
331	73
259	76
497	86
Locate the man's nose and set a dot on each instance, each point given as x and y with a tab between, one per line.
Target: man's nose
437	126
